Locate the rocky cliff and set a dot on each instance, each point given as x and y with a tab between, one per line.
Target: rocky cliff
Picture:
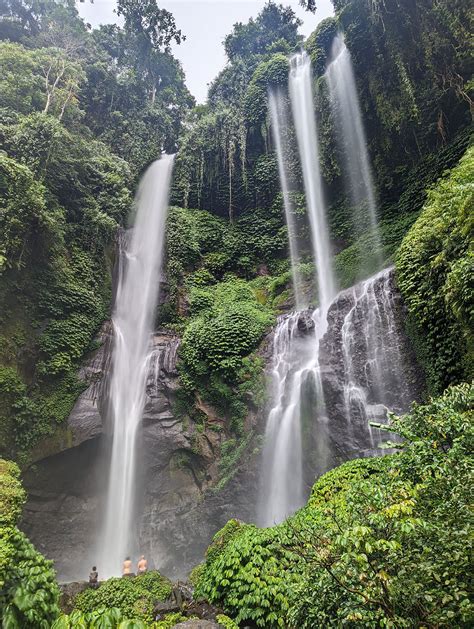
179	511
179	507
367	367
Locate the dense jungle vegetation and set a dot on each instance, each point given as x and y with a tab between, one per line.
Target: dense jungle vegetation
382	542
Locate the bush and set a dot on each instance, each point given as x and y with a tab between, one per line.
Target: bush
134	597
28	590
247	571
12	494
227	326
382	542
99	619
434	266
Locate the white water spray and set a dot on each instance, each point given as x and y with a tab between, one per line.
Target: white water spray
295	367
362	365
133	318
345	105
280	131
374	375
301	93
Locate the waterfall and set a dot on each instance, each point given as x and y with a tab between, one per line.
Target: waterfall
295	364
279	125
282	482
294	368
133	318
351	136
374	376
347	367
301	94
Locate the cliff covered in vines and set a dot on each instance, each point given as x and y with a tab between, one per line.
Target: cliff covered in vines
413	68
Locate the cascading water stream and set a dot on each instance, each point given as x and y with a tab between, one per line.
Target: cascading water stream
301	94
373	363
353	360
296	365
133	317
351	136
279	125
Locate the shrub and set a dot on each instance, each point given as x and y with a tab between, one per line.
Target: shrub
28	590
227	326
434	265
247	571
12	494
135	597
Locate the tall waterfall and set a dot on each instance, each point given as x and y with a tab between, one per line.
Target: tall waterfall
295	367
133	318
351	136
280	133
301	94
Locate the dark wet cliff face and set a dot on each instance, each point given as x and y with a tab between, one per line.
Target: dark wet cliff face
367	367
178	512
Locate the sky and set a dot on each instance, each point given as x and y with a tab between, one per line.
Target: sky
205	24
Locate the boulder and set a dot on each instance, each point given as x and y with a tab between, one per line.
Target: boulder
68	593
305	323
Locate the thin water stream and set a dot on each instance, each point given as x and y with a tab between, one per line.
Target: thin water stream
279	122
301	94
351	137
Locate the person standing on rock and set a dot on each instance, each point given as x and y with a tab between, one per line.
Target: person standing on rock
94	578
142	565
127	568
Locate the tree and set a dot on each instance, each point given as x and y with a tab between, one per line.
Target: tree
275	22
144	18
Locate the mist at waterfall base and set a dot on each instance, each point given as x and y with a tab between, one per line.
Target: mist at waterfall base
139	265
351	139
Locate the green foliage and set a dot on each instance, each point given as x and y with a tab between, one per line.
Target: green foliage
319	43
113	618
227	324
434	265
245	571
273	24
231	453
12	494
23	212
381	542
226	622
269	73
44	80
98	619
28	590
169	621
195	574
134	597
